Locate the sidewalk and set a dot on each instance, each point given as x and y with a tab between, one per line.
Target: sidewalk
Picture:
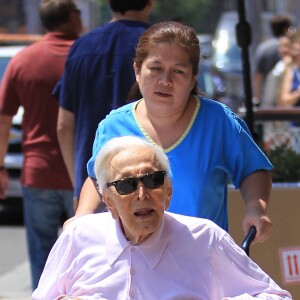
15	285
14	266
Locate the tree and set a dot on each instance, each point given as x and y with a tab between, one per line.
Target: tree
199	14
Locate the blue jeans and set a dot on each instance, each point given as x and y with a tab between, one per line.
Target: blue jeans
42	211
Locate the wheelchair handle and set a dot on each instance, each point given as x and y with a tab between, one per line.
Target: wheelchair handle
248	239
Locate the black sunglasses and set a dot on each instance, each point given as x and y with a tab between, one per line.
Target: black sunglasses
128	185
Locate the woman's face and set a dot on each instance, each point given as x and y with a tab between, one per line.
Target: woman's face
166	77
296	52
284	46
140	212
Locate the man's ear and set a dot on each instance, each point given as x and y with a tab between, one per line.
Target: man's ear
110	205
169	194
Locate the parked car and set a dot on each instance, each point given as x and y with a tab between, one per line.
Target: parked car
10	45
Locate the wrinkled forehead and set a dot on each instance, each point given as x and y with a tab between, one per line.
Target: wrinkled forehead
133	161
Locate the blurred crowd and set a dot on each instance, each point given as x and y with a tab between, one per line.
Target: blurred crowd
277	81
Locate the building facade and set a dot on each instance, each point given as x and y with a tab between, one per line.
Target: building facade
21	16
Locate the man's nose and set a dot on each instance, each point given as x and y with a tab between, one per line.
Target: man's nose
142	191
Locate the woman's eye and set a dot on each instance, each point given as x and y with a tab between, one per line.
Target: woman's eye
155	68
178	71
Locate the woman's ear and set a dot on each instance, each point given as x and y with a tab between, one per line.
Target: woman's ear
137	72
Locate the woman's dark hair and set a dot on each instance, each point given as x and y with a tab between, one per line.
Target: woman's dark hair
124	5
134	93
167	32
54	13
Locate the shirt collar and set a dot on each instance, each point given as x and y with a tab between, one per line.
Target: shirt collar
55	35
152	249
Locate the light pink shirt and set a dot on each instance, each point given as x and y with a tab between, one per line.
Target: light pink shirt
187	258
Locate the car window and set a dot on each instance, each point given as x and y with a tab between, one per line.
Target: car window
3	64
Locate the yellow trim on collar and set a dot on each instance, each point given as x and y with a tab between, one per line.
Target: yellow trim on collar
148	138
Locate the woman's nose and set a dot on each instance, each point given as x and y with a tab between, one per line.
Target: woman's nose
166	79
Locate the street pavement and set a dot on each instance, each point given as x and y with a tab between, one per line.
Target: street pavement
14	266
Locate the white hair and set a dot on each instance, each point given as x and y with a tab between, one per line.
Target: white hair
118	144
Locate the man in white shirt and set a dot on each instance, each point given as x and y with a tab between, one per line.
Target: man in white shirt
139	251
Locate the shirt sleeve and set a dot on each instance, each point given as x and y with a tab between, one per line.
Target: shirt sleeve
56	91
50	285
100	139
67	86
244	156
64	91
8	91
239	274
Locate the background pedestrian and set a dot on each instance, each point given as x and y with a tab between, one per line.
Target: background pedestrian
267	54
97	79
28	82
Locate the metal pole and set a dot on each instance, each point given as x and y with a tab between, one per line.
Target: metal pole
243	34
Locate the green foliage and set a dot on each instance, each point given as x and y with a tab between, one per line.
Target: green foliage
202	15
194	13
286	164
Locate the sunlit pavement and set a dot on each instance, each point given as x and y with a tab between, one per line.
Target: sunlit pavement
14	266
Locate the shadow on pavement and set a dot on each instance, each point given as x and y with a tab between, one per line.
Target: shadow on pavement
11	212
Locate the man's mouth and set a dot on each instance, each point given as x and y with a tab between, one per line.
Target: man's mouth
143	212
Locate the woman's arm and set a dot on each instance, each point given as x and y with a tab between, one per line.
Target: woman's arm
286	97
256	190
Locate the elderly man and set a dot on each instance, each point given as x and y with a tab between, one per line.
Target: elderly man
137	250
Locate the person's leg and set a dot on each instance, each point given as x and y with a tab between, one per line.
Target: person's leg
42	212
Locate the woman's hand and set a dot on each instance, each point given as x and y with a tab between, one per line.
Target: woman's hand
256	190
260	221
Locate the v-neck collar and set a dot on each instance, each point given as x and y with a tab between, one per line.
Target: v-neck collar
149	139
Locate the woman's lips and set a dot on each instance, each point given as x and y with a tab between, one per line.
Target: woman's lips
160	94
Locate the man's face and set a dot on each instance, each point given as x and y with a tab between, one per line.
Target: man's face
140	212
296	52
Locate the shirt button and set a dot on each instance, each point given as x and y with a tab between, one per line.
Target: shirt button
131	294
132	272
132	249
